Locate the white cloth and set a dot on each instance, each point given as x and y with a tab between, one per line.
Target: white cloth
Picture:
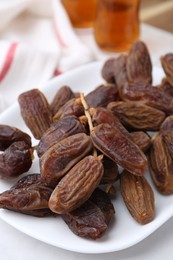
37	41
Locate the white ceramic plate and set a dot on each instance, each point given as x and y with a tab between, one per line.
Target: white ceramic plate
124	231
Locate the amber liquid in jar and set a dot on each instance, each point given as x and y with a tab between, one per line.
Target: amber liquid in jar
117	24
81	12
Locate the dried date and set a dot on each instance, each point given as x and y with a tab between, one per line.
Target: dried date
102	95
71	107
58	131
30	195
148	95
137	116
91	220
77	185
161	161
62	156
138	197
35	111
139	66
118	147
63	95
142	140
9	135
16	160
167	64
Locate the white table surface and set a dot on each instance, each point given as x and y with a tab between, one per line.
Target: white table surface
18	246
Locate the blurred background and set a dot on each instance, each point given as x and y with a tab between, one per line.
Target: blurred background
158	13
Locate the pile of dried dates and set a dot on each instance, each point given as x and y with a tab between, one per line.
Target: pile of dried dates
88	143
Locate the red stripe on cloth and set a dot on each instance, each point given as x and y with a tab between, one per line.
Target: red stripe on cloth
58	35
8	60
57	72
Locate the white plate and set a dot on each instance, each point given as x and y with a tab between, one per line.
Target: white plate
124	231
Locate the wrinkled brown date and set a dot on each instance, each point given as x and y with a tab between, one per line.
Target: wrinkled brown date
139	66
142	140
91	220
35	111
101	115
118	147
16	160
102	95
161	162
149	95
61	129
77	185
137	116
9	135
166	87
62	156
29	196
114	70
138	197
71	107
120	71
63	95
167	64
167	124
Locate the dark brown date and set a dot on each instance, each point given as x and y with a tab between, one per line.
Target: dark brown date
102	115
29	196
16	160
61	129
161	161
102	95
77	185
120	71
137	116
107	71
141	139
91	220
167	64
63	95
35	111
62	156
148	95
167	124
118	147
139	66
9	135
71	107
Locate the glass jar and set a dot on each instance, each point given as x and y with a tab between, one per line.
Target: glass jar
117	24
81	12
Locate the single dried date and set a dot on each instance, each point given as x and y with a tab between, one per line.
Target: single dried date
16	160
102	95
91	220
118	147
167	64
58	131
9	135
142	140
77	185
71	107
63	95
107	71
137	116
138	197
120	71
139	66
29	196
161	161
62	156
35	111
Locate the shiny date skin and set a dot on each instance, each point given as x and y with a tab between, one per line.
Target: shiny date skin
16	160
58	131
9	135
29	196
